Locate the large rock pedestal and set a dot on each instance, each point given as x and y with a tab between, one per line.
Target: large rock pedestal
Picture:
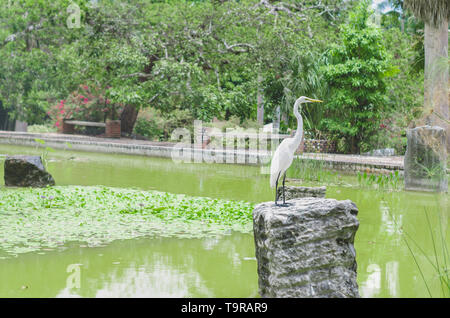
425	160
306	249
26	171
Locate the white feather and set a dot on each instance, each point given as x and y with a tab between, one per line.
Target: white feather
281	160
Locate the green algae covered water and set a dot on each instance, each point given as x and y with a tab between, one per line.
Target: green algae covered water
401	235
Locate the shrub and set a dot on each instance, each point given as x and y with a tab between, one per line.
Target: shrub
41	128
86	103
151	123
235	123
355	72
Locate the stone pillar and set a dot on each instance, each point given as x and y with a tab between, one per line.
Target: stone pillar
306	249
65	128
113	129
425	160
21	126
293	192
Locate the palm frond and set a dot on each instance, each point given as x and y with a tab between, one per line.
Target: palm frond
433	12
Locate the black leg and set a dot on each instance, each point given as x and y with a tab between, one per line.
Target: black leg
284	197
276	189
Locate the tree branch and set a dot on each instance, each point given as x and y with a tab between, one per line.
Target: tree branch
13	37
233	48
138	74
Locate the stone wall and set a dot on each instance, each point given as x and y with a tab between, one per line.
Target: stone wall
159	149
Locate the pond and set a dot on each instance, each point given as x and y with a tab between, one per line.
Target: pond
224	265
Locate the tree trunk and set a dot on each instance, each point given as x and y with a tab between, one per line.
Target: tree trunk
128	119
130	112
260	102
436	77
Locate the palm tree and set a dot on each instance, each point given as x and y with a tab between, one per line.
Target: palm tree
435	15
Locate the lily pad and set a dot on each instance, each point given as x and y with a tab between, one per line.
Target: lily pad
38	219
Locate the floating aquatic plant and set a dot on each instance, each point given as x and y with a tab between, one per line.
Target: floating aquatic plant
35	218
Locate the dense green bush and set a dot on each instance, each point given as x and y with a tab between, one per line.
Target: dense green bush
152	124
148	129
404	91
355	71
46	128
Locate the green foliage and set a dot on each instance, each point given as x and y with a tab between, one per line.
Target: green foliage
356	72
35	42
45	151
33	218
149	129
300	76
404	92
155	125
401	19
389	182
314	171
47	128
200	56
403	39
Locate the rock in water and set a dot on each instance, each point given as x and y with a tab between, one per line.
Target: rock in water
292	192
26	171
425	160
306	249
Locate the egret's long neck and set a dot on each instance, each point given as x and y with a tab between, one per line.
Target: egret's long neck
299	133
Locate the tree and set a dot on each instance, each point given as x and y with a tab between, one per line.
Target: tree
435	14
38	65
200	58
355	72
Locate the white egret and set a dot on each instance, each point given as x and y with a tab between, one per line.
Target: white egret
284	155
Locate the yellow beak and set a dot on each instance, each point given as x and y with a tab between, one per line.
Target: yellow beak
314	100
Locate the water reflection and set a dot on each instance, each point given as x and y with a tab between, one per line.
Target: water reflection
161	281
378	280
170	267
372	285
390	224
392	278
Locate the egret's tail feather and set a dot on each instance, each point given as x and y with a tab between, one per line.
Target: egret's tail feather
273	179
